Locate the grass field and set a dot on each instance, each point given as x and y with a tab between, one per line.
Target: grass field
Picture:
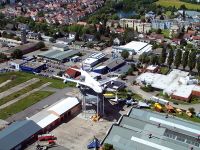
21	92
23	104
177	4
21	77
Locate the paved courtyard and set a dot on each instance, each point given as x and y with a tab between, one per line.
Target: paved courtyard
76	133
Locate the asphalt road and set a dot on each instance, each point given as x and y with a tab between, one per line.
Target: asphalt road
39	106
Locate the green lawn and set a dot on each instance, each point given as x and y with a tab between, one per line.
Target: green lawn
177	4
166	33
21	92
23	104
22	77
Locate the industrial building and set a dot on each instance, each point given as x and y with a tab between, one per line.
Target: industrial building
28	66
147	130
115	64
134	48
58	56
25	48
177	84
20	134
52	116
32	67
100	70
61	47
17	135
94	59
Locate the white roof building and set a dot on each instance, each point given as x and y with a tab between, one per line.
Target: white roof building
134	47
64	105
93	59
52	113
176	83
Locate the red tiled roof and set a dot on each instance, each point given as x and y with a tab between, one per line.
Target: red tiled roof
196	37
72	73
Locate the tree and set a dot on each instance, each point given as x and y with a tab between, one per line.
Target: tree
178	58
192	60
159	31
40	14
163	56
198	65
191	110
17	54
185	59
144	58
154	60
170	58
183	7
3	57
40	45
125	54
130	71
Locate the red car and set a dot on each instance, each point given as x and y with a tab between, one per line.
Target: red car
45	138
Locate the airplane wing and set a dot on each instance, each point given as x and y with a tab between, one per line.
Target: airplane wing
76	81
102	82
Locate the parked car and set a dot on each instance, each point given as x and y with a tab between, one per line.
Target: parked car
198	115
175	103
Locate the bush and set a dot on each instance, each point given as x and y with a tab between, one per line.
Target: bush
147	88
122	77
108	147
192	110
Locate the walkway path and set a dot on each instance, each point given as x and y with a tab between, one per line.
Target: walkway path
4	83
24	95
18	87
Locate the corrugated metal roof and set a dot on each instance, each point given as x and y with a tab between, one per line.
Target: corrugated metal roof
47	120
64	105
16	133
115	63
58	55
132	133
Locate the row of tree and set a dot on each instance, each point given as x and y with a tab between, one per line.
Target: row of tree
177	58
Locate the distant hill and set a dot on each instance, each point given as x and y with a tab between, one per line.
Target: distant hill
178	3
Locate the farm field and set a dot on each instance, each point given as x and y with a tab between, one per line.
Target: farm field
177	4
